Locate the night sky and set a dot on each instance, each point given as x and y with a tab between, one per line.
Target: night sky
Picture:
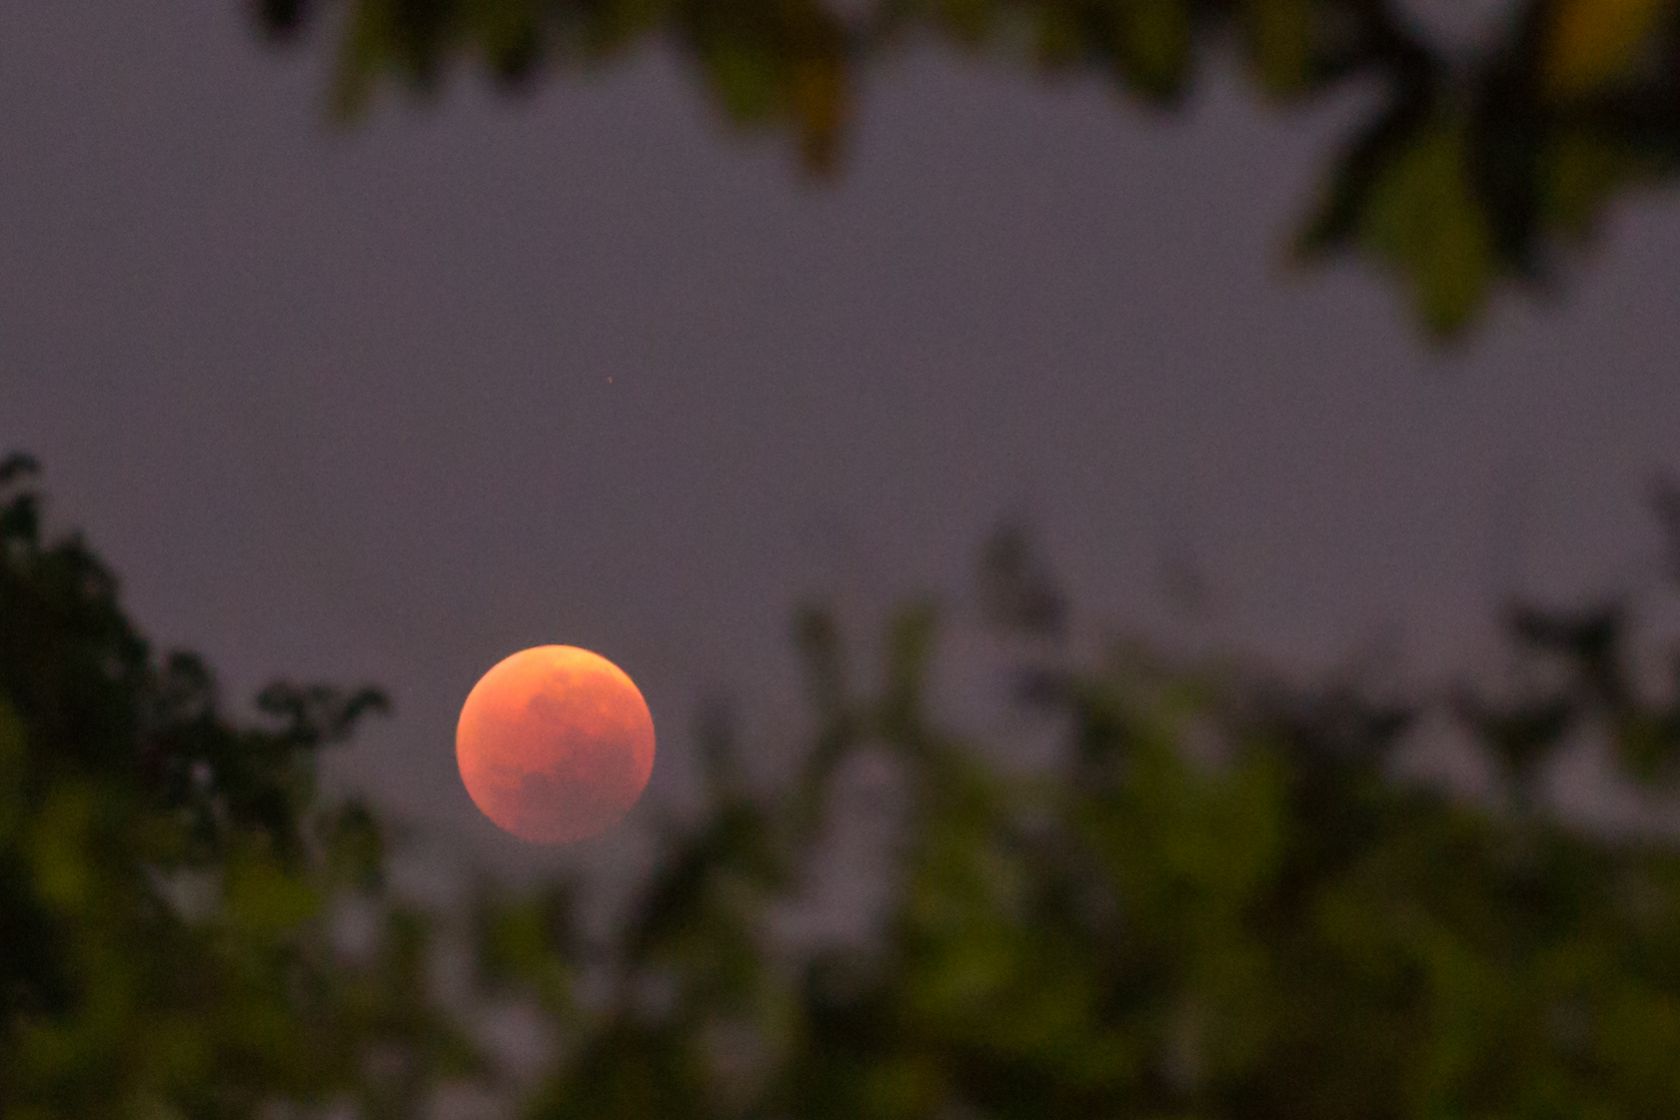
388	403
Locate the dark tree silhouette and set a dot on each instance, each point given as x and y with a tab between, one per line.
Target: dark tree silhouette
1218	902
1474	165
170	877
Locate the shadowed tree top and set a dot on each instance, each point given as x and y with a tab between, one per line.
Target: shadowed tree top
1476	165
171	876
1216	899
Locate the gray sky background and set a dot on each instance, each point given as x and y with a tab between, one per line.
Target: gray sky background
338	404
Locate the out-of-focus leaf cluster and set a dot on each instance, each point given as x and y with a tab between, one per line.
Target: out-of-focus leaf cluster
1218	897
1474	166
1222	900
173	883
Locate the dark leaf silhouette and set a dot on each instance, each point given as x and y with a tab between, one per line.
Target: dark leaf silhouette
1472	169
1219	899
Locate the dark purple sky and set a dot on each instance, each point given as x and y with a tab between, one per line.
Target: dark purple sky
338	404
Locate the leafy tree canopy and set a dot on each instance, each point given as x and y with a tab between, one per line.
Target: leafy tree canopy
1473	168
1218	901
171	878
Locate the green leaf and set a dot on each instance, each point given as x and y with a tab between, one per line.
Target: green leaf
1153	46
1425	218
1405	194
262	897
1280	35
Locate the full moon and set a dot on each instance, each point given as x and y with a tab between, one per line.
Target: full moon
555	744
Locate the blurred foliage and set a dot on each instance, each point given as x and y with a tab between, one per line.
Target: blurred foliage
1475	164
1221	902
173	887
1216	899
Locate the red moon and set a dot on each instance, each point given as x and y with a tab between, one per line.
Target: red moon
555	744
